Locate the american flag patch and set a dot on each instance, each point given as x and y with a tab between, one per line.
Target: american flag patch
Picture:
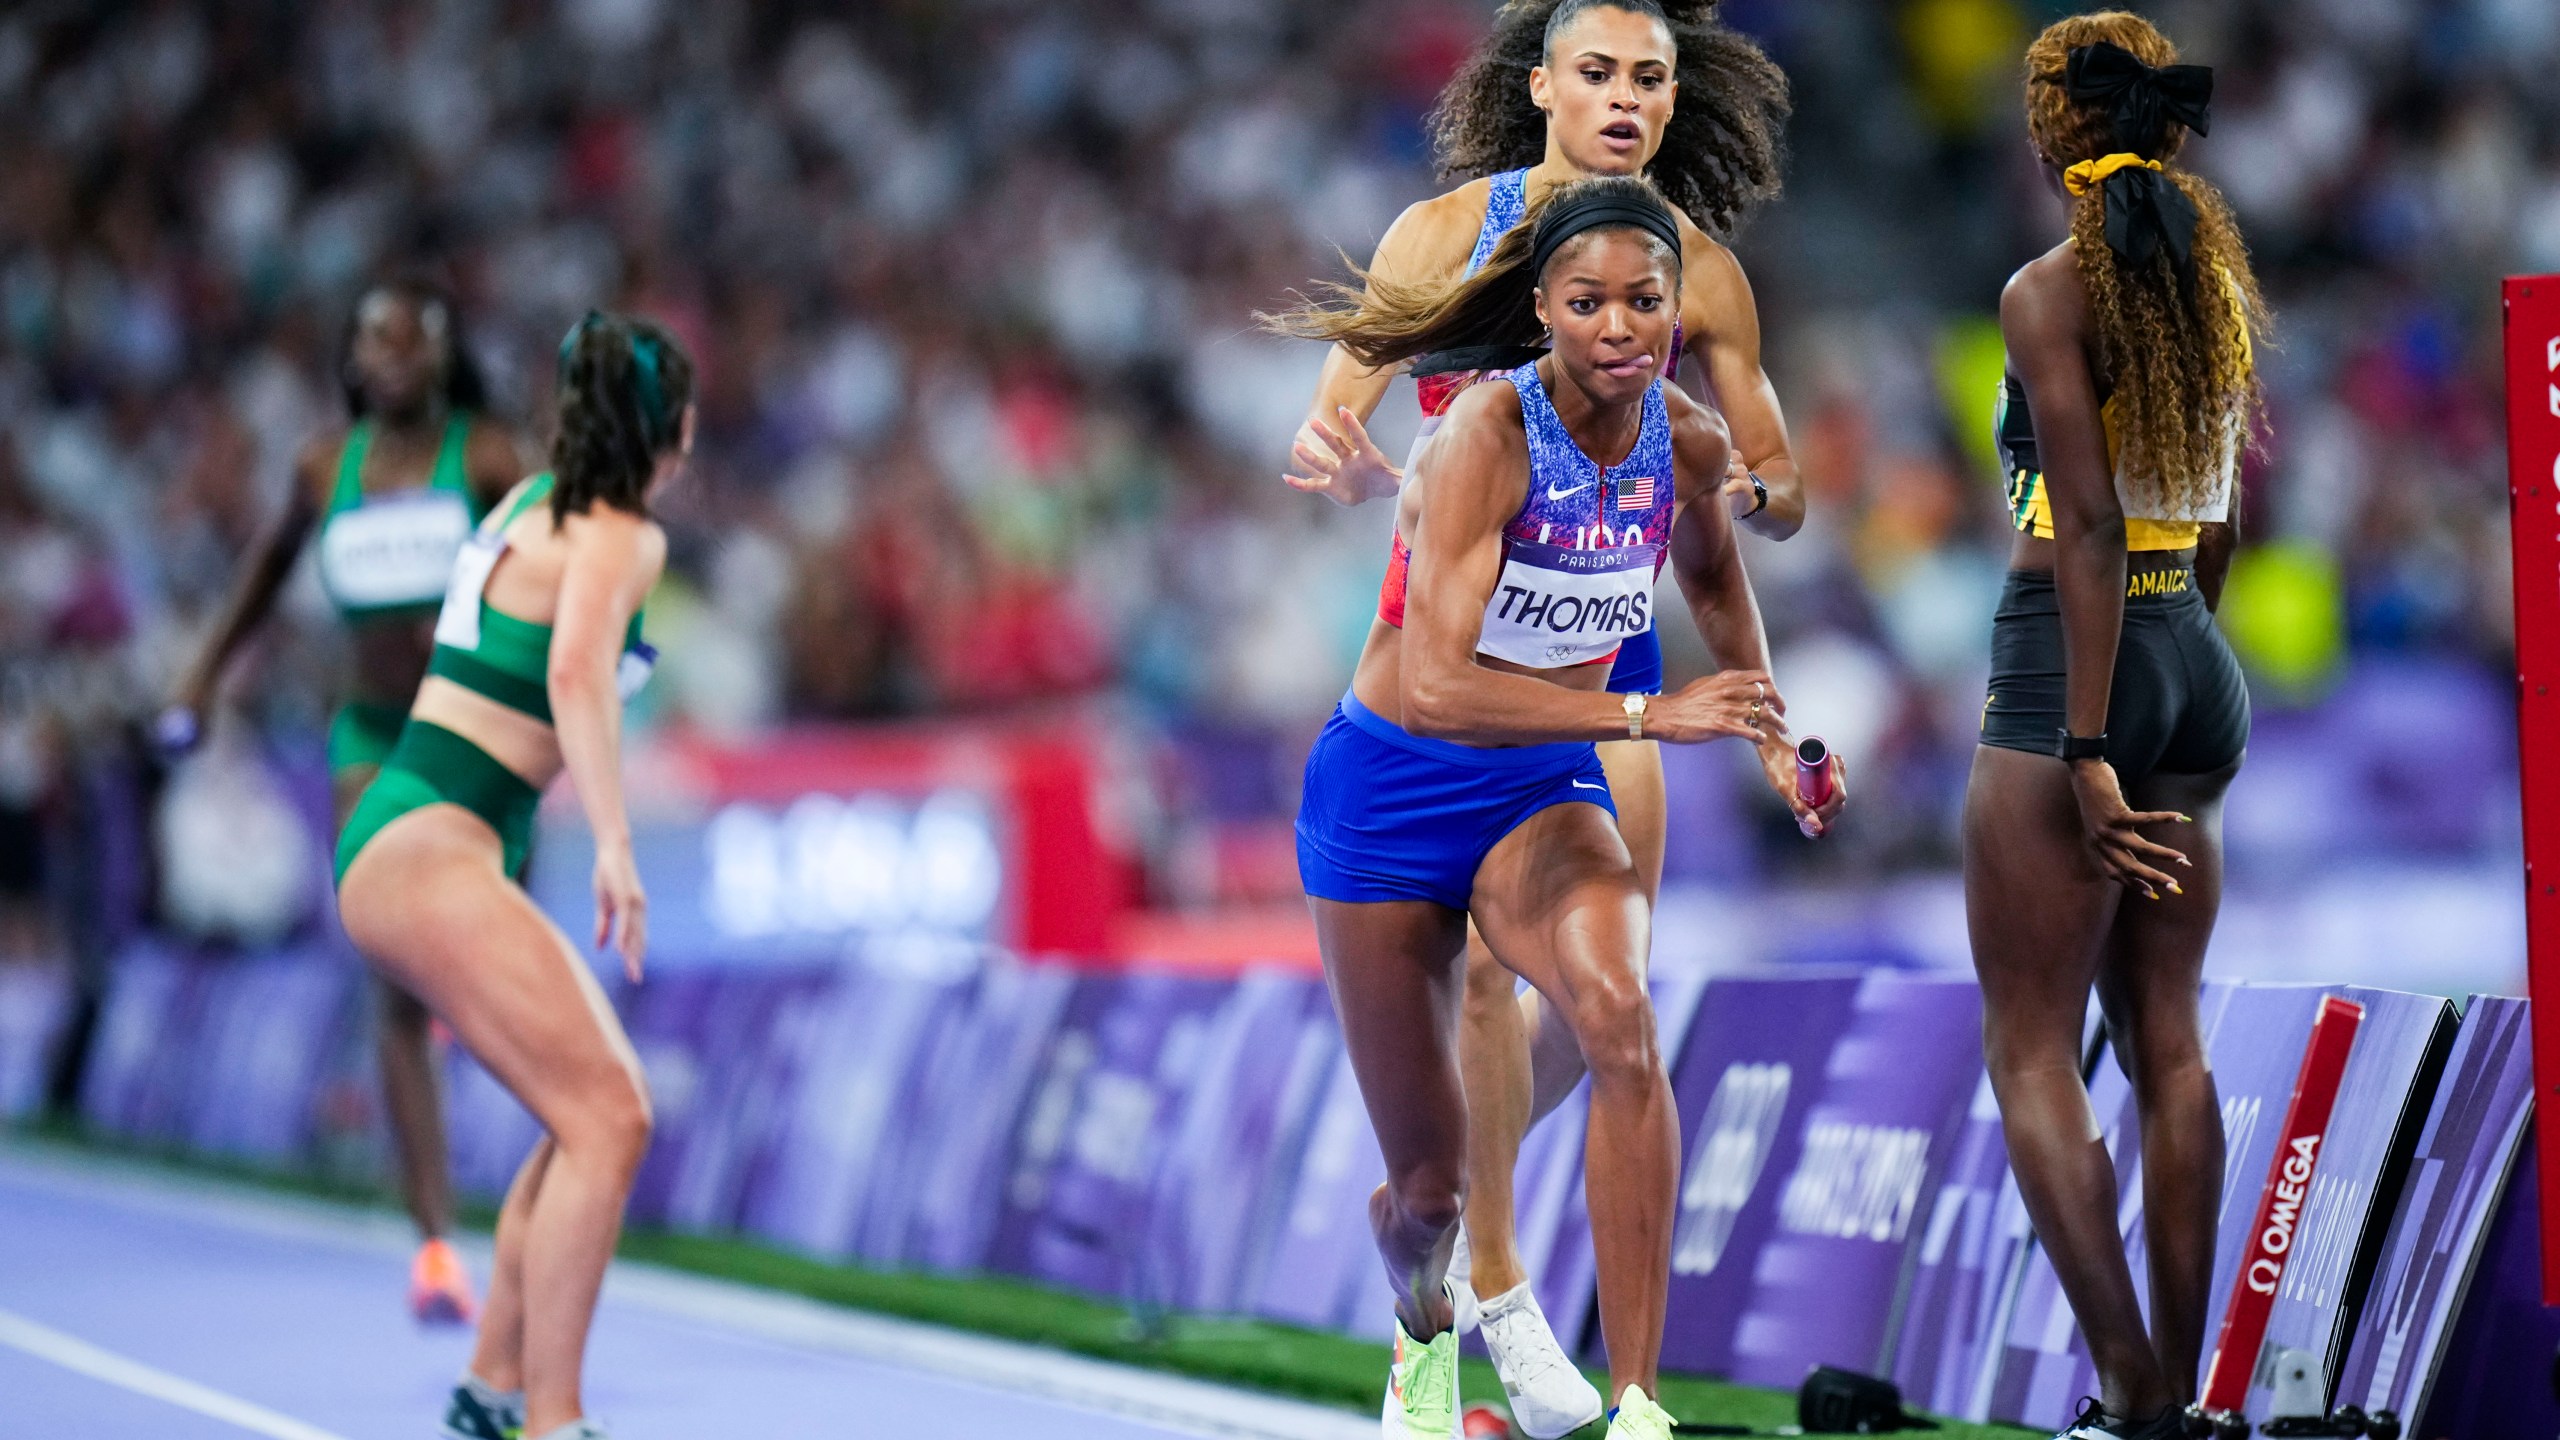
1636	494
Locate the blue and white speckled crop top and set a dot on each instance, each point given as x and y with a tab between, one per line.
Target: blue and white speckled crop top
1580	557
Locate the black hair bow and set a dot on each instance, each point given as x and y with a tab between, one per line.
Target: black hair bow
2141	99
2146	211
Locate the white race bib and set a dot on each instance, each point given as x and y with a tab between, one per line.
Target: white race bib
1555	607
458	624
392	551
632	673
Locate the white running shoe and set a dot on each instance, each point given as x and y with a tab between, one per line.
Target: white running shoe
1549	1397
1462	1283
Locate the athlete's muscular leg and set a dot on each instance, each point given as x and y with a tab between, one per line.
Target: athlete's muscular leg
2039	908
1520	1057
412	1100
428	902
1393	969
2147	980
1560	900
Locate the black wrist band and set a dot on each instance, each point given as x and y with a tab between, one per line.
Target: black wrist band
2069	747
1759	495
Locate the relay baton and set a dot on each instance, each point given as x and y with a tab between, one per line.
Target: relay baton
1813	778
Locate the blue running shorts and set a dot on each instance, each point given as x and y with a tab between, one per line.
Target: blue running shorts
1389	815
1638	670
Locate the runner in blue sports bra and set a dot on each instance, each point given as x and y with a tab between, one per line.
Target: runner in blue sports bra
1566	88
1459	778
388	500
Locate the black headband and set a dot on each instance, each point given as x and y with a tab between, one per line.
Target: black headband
1578	213
1562	221
2140	99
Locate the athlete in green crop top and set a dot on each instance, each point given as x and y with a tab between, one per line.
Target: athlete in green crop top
535	646
501	657
389	500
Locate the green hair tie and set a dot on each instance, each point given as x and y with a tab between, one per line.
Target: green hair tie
645	363
653	393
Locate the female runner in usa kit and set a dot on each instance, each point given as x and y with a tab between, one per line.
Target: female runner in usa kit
2117	717
390	499
1564	89
536	649
1458	776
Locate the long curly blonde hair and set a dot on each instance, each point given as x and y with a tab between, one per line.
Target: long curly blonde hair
2175	344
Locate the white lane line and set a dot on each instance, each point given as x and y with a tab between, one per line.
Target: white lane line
74	1354
1165	1400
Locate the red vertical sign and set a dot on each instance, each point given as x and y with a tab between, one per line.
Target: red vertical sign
2533	493
2288	1189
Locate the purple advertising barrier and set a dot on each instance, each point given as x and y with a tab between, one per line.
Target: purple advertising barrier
1148	1037
35	1003
1953	1312
1889	1117
141	1041
487	1134
271	1026
2496	1382
1745	1081
1551	1222
1321	1262
1221	1191
670	1020
740	1107
2254	1039
711	1042
2464	1159
936	1205
840	1076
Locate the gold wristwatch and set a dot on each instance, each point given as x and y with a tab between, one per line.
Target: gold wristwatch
1634	706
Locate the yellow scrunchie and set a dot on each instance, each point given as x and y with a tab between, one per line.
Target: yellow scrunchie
2088	175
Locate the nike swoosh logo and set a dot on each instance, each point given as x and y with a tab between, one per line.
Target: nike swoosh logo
1554	494
1579	785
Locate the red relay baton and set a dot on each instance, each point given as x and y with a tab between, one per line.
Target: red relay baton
1813	776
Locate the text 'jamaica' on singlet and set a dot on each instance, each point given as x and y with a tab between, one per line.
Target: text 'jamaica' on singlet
1580	557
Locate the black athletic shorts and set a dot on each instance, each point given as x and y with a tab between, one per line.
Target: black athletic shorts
2178	703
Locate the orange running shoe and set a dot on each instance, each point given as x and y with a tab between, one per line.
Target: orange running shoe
439	1288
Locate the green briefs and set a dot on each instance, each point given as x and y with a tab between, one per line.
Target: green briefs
432	765
361	734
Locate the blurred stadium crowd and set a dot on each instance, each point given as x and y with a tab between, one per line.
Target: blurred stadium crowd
986	425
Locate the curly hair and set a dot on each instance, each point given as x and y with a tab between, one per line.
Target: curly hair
1722	154
624	386
2175	345
1383	323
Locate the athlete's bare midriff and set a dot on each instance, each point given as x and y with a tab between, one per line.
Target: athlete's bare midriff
1379	680
526	746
